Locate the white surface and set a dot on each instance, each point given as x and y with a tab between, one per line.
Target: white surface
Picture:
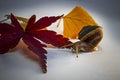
62	64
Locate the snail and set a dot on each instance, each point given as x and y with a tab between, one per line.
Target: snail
89	37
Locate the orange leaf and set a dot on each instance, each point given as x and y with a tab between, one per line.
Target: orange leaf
75	21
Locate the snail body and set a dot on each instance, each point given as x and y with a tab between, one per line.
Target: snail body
89	37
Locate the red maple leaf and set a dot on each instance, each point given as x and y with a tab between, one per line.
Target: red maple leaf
10	34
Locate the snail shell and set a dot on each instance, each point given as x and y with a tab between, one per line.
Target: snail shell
90	36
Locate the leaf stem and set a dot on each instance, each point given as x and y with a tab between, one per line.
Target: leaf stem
8	17
3	20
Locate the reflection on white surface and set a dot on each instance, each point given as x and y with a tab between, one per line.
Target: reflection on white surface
62	63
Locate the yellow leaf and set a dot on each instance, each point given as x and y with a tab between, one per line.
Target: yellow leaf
24	20
23	25
75	21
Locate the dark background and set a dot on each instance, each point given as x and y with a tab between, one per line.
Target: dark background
108	11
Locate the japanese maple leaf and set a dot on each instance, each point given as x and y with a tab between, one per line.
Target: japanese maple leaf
32	36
